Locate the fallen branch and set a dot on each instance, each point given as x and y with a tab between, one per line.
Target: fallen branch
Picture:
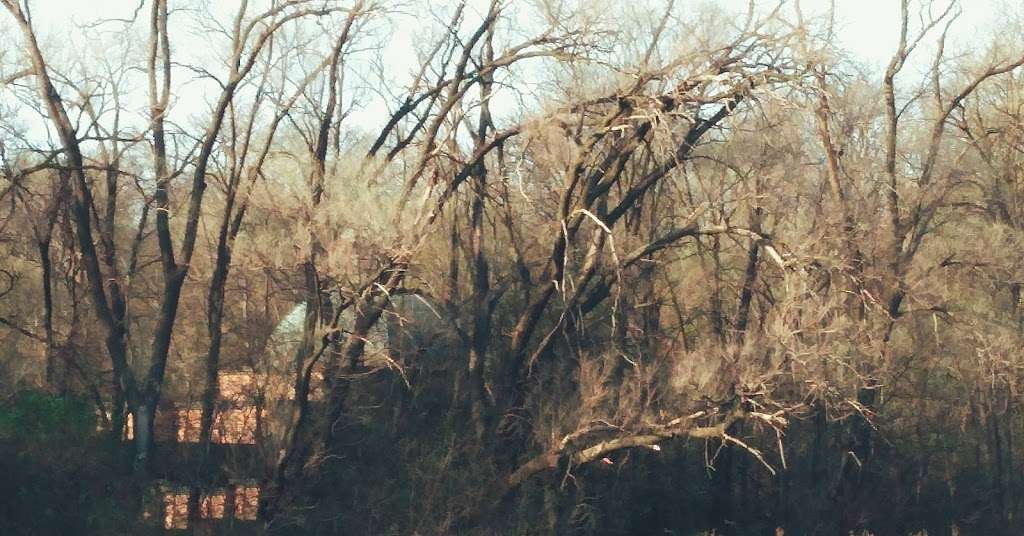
676	428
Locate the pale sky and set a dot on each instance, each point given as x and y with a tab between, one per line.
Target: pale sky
866	28
870	30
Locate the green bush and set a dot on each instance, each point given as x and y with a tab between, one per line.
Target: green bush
61	476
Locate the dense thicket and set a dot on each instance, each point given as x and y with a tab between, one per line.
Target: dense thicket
548	268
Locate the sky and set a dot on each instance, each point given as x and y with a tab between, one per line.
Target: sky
867	29
870	29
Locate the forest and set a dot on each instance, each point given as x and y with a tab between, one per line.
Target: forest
524	267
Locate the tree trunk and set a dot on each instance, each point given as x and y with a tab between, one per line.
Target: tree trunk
55	379
143	426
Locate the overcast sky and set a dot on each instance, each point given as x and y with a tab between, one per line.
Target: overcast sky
868	29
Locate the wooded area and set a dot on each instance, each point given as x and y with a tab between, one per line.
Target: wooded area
593	268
